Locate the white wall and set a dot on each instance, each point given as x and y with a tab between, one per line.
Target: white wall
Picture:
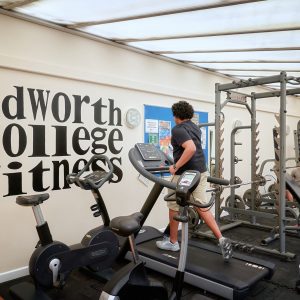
35	56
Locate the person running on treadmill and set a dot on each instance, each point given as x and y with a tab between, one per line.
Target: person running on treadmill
188	155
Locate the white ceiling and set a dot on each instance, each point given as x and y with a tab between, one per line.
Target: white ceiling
237	38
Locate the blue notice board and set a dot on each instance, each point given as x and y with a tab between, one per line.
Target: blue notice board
159	122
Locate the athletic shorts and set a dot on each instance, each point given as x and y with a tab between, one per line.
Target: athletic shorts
199	194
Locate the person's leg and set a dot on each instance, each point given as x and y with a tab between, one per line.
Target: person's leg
173	226
225	243
210	221
200	195
171	243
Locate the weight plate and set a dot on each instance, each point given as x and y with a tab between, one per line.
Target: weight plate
194	217
238	202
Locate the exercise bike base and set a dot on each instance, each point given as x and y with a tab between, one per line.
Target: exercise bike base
103	276
27	291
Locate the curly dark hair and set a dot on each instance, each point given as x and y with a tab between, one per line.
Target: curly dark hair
182	110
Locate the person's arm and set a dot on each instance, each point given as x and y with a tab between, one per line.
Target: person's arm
188	152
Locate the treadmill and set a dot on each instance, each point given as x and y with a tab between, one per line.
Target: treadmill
205	267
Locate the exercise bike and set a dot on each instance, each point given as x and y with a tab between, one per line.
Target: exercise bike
52	261
132	282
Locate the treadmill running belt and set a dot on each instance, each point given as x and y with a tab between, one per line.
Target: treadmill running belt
236	273
237	276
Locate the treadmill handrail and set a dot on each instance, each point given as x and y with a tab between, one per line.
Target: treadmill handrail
168	184
140	168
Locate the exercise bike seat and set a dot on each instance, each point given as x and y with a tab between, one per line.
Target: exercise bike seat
32	200
126	225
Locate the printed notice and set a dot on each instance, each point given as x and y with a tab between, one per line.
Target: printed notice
203	137
151	126
153	138
195	119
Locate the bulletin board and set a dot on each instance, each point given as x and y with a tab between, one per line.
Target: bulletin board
158	123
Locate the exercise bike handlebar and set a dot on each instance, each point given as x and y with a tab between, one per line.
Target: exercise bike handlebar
76	177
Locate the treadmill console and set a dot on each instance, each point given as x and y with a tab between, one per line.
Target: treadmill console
151	158
148	152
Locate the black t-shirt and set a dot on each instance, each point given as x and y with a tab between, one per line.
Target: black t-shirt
181	133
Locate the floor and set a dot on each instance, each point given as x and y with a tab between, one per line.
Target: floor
281	286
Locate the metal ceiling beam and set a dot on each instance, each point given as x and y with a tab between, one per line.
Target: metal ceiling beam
226	50
240	61
251	70
276	94
246	76
160	13
16	4
186	36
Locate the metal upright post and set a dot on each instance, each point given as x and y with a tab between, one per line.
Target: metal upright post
233	143
282	171
253	155
297	144
217	146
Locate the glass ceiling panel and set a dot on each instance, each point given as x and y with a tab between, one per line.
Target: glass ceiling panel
293	55
272	14
73	11
251	66
239	42
225	23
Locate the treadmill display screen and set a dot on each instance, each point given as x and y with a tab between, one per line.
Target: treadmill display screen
148	152
187	179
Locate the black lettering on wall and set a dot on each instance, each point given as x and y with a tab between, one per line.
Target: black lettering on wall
19	101
61	141
39	141
95	165
77	167
7	139
98	112
58	97
56	177
98	134
48	139
35	104
117	171
112	110
78	104
38	176
14	180
112	139
77	137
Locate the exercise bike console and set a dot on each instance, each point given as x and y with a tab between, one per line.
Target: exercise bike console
95	179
